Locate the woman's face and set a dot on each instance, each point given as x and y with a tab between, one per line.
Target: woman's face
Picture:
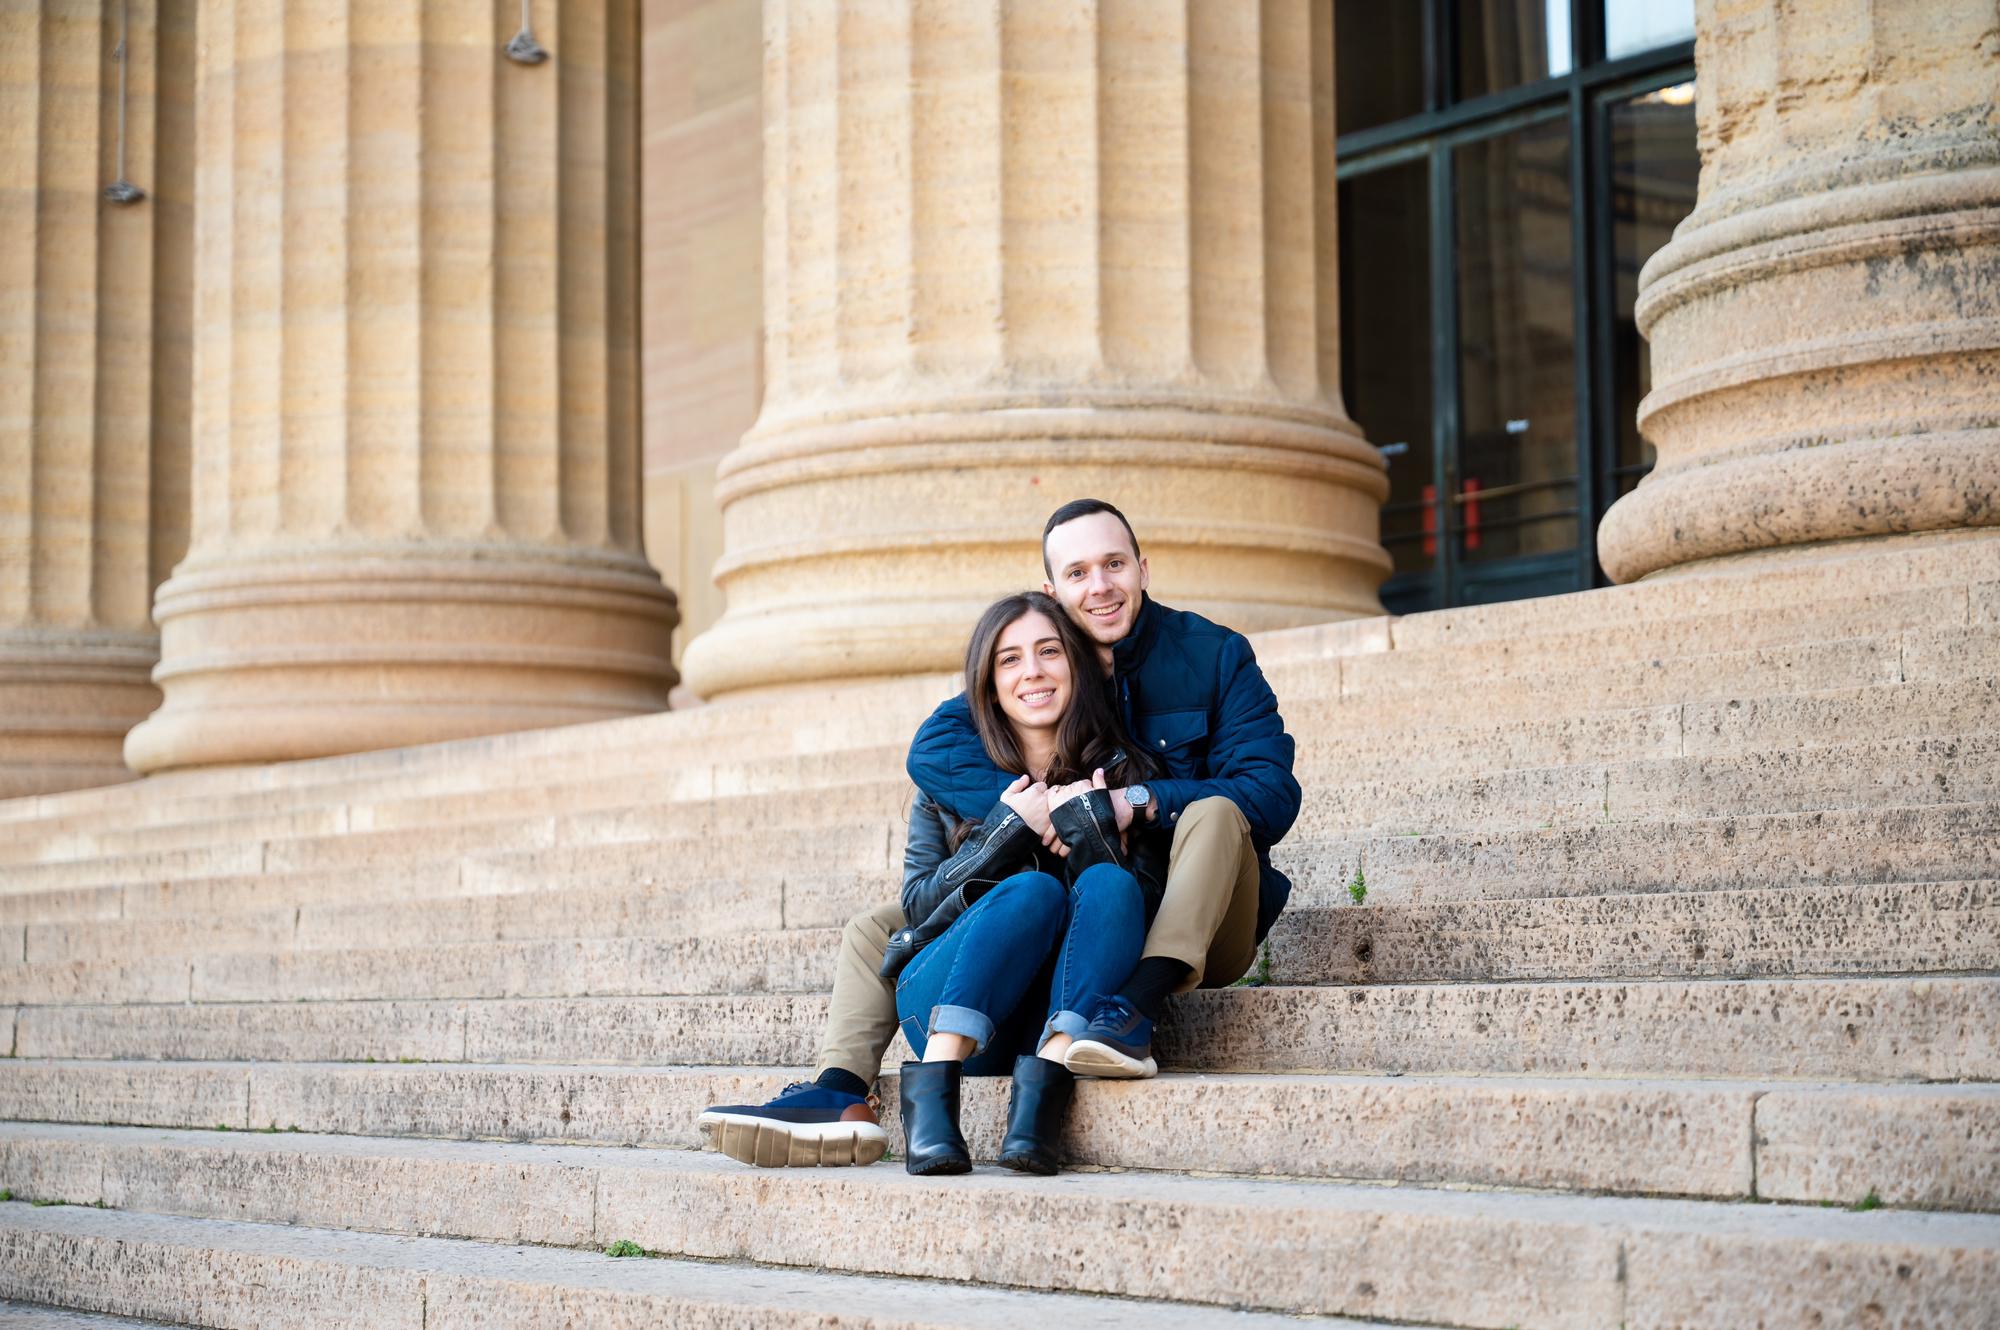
1030	672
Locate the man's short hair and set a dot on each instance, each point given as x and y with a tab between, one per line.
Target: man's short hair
1072	510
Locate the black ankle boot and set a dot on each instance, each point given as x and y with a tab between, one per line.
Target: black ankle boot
932	1142
1035	1115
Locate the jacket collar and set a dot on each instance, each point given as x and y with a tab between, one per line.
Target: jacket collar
1130	653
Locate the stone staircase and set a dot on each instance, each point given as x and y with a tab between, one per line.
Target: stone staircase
1672	998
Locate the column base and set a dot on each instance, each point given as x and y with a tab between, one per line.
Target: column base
868	547
67	699
272	657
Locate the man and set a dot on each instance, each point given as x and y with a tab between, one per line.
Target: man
1191	692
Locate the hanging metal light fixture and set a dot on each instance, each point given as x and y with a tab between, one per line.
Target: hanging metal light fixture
122	191
524	49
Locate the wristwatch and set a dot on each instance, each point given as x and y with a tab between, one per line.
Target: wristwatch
1138	796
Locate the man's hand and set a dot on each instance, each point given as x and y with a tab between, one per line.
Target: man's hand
1030	799
1123	809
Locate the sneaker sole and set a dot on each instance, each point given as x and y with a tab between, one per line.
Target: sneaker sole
770	1144
1087	1057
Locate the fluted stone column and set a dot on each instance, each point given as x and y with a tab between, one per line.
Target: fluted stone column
93	375
415	403
1019	253
1825	325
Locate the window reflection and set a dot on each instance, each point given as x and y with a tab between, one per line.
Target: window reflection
1631	26
1516	489
1505	43
1379	52
1385	347
1654	165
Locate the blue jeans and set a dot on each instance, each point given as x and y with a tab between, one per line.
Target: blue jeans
1024	959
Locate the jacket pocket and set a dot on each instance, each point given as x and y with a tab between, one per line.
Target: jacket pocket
1178	739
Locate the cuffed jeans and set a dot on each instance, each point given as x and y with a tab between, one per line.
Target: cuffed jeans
1027	950
1208	918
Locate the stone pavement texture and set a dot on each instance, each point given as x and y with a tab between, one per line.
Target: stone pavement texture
1670	1000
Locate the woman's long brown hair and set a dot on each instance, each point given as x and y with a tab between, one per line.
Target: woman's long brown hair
1088	736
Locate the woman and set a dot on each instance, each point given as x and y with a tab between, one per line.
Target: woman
1026	918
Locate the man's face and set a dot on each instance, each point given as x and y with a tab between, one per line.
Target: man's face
1098	577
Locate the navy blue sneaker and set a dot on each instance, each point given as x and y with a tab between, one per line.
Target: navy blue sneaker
1118	1044
806	1126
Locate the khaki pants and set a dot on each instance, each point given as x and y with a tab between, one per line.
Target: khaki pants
1207	920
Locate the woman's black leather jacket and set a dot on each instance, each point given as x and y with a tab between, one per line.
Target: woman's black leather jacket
938	885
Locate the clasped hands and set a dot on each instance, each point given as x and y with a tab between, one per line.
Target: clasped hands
1032	800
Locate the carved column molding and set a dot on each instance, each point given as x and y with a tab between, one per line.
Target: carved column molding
1020	253
415	398
1825	325
94	308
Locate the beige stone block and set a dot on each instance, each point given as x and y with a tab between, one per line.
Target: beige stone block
334	1182
1949	654
143	1094
784	962
1823	1029
61	903
46	1169
602	1105
264	826
1936	1272
1357	744
200	861
1933	1146
370	849
13	944
1225	1242
1407	689
778	1030
217	1272
1825	848
701	908
130	939
151	979
1662	1138
1888	711
251	892
180	1271
1899	773
1777	932
321	1032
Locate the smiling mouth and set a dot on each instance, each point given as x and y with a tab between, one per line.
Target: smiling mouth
1105	611
1038	697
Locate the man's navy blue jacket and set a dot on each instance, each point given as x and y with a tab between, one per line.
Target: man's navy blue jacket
1191	692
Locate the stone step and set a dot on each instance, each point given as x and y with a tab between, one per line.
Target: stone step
781	961
285	1276
638	907
1768	1140
498	855
1342	730
1782	932
493	852
1570	645
34	1316
1921	927
621	890
1933	653
1866	774
1941	842
1554	1261
1867	1029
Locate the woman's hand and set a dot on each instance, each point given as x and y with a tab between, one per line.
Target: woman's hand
1030	800
1062	794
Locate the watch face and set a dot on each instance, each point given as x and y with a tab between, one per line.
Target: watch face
1138	796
